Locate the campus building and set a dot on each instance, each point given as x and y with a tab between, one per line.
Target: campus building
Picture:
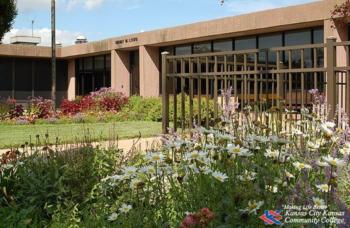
132	63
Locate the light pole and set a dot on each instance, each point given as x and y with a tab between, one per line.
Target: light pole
53	52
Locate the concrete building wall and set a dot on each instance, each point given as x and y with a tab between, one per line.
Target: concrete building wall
149	71
148	43
120	74
71	80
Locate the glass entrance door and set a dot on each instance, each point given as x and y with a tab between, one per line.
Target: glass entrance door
134	73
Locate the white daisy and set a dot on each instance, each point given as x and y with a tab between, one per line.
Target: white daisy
155	157
219	176
322	163
253	207
323	187
313	146
247	176
318	202
334	161
125	208
113	217
327	131
129	170
289	175
346	149
272	153
299	166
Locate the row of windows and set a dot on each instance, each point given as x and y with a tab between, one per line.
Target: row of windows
290	38
92	73
27	77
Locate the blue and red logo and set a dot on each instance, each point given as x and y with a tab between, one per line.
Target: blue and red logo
271	217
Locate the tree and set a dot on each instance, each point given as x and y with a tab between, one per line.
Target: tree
8	12
340	14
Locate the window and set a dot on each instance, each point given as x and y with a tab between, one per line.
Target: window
93	73
183	50
245	43
299	38
6	77
201	48
223	45
269	41
318	35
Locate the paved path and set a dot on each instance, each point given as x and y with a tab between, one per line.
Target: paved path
126	144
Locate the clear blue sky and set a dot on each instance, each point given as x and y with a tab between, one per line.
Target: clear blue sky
100	19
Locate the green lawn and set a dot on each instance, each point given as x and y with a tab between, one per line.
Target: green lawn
16	135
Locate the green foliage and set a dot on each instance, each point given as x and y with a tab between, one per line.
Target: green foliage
344	185
43	184
8	13
150	109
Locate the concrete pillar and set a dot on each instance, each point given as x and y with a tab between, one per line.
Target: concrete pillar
71	80
149	71
120	74
340	33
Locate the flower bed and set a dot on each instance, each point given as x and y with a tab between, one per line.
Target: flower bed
102	102
227	176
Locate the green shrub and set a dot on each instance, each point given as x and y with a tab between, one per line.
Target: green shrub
41	185
150	109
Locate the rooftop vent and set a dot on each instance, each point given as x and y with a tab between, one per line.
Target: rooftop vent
81	40
25	40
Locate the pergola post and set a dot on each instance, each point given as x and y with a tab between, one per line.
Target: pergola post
165	94
331	76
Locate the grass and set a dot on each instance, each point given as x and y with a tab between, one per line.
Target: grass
16	135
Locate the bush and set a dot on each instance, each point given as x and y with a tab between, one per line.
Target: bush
35	188
150	109
104	100
41	108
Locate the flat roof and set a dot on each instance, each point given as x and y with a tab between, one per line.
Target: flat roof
280	19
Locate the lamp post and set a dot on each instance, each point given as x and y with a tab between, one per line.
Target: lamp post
53	52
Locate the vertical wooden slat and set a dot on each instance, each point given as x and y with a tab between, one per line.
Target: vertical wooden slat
235	77
215	87
165	95
261	88
315	67
225	75
207	90
175	95
302	79
290	78
199	85
347	81
273	89
245	79
331	80
279	80
183	96
255	77
190	62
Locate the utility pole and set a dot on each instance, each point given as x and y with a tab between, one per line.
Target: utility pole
53	52
32	28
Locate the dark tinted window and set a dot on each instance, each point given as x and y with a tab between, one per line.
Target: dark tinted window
223	45
269	41
297	38
93	73
201	48
183	50
245	43
5	75
318	35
